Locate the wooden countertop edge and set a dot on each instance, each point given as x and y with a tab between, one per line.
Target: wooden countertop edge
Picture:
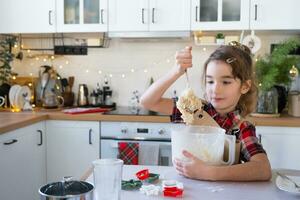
23	123
285	120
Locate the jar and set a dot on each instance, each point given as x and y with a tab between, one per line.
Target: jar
267	101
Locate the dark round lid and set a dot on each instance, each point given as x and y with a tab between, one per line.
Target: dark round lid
66	188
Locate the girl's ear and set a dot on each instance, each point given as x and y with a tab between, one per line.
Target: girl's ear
246	86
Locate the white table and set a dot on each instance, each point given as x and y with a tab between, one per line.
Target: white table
195	189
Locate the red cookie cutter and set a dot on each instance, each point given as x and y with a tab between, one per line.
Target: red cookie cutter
143	174
173	192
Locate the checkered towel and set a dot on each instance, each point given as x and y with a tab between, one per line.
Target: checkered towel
129	152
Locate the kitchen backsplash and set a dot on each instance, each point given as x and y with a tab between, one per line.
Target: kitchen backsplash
130	63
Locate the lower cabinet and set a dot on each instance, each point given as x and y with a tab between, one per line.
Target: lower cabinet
22	162
282	145
71	148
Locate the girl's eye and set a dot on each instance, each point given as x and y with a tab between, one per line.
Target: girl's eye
209	82
226	82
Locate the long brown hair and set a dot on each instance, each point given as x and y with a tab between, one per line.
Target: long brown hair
239	58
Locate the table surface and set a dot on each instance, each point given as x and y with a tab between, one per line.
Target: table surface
196	189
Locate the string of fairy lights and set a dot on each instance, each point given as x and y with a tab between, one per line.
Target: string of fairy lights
59	62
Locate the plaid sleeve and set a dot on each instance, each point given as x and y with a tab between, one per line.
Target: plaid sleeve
249	142
176	114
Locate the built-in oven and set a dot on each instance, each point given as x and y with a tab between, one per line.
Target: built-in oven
156	134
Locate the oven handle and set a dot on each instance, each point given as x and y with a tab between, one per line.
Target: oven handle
115	144
137	139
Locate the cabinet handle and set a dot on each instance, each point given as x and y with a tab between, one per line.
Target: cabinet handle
255	10
143	17
153	10
90	136
196	13
259	138
10	142
49	17
41	137
101	15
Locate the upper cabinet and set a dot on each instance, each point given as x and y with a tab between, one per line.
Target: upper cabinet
275	15
30	16
81	15
220	14
149	15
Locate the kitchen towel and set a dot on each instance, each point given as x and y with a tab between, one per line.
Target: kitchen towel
129	152
148	154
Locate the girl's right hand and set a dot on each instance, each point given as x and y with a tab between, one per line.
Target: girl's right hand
184	59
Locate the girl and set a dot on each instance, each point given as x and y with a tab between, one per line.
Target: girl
231	94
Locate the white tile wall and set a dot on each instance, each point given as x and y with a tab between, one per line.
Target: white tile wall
155	55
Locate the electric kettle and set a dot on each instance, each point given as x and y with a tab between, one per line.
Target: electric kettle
83	93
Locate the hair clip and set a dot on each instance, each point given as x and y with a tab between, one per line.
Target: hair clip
230	60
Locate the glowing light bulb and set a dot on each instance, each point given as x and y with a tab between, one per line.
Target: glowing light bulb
132	70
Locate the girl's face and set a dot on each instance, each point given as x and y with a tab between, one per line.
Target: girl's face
222	90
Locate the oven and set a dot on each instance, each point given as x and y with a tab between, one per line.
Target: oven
144	133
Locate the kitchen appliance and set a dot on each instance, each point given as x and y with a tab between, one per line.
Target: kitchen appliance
127	110
67	189
107	96
158	134
47	83
83	93
294	103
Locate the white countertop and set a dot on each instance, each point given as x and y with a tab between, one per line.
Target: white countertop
195	189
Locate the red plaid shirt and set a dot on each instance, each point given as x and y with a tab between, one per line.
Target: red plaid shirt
245	133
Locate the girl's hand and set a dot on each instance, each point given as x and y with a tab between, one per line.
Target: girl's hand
184	59
195	168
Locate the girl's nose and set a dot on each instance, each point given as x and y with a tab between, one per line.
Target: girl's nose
217	88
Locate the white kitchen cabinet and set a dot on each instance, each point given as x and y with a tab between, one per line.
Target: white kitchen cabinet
71	148
275	15
22	162
149	15
220	14
30	16
282	145
81	15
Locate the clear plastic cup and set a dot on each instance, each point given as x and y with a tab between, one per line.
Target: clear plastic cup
107	179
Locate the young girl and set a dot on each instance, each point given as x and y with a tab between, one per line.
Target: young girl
231	94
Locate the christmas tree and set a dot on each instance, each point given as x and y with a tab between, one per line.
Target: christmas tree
6	56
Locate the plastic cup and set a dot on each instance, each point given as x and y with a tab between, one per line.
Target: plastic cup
107	179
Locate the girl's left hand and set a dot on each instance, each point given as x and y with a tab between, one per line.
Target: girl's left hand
195	168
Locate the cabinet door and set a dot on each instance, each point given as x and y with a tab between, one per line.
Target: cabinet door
23	163
30	16
169	15
275	15
82	15
128	15
220	14
71	148
281	145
